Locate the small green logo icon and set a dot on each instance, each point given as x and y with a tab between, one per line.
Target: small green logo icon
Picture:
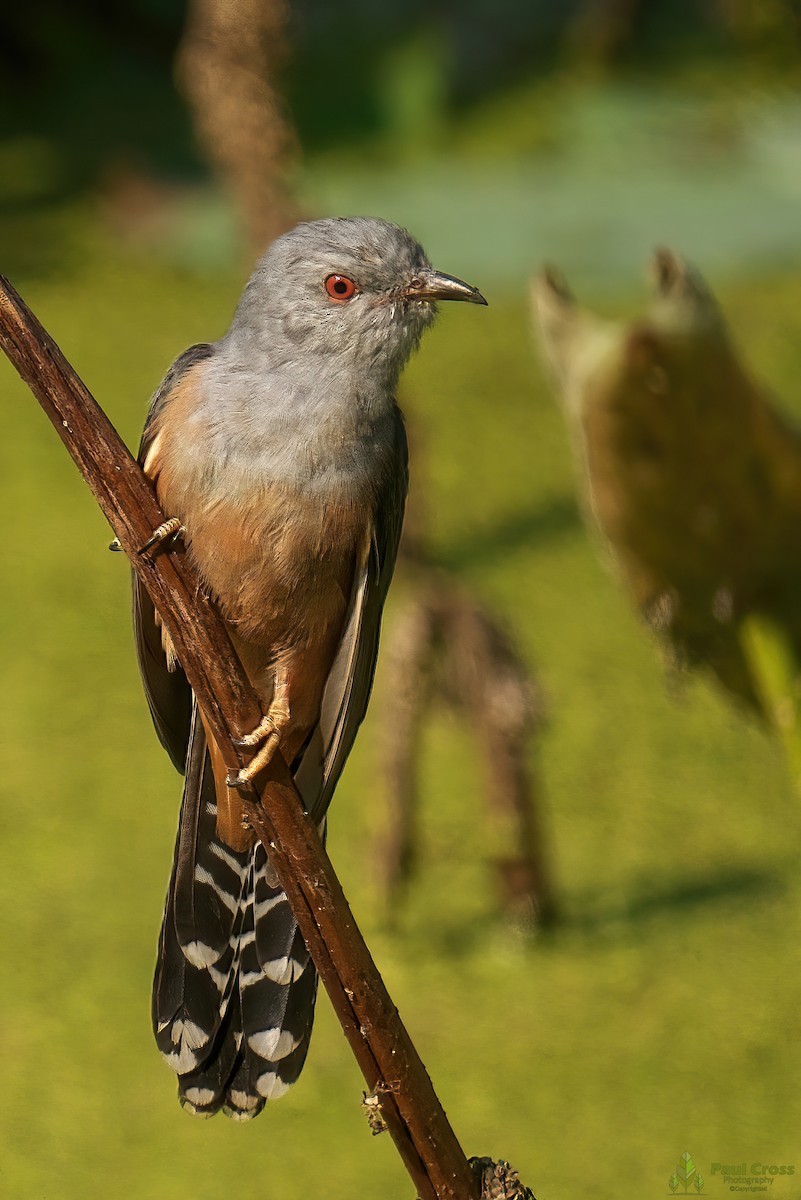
685	1179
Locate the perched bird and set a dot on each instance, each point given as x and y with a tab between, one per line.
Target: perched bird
279	452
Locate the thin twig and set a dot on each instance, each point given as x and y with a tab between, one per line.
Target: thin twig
380	1043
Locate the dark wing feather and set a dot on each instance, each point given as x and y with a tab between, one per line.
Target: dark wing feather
168	693
350	681
169	696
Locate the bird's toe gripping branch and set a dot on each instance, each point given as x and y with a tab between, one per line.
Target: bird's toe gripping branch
268	733
170	531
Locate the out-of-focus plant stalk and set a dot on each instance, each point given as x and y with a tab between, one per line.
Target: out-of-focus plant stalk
775	673
693	476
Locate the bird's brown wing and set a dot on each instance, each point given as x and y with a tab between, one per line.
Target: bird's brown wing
347	690
169	696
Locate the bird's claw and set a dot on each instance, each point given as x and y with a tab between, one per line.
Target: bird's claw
170	530
267	734
265	728
245	775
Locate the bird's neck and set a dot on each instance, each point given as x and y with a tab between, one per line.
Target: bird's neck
314	421
369	364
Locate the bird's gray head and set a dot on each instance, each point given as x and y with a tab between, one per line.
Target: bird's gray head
356	288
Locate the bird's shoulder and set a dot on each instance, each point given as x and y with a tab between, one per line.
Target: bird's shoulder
177	378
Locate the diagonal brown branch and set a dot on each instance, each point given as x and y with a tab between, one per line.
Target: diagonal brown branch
378	1038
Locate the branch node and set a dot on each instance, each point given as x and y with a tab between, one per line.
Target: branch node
371	1103
499	1181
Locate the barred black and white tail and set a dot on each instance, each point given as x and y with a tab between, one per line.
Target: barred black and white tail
234	991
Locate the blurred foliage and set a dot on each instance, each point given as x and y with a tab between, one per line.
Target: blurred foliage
94	78
690	471
688	136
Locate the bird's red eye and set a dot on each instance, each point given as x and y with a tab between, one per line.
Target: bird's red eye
339	287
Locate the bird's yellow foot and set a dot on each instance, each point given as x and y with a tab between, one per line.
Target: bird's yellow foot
268	733
170	530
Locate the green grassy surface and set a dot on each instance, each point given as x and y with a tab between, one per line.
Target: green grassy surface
662	1015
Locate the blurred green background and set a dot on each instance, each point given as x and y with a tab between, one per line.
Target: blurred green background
662	1014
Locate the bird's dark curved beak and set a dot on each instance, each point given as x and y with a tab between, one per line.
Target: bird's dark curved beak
434	285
